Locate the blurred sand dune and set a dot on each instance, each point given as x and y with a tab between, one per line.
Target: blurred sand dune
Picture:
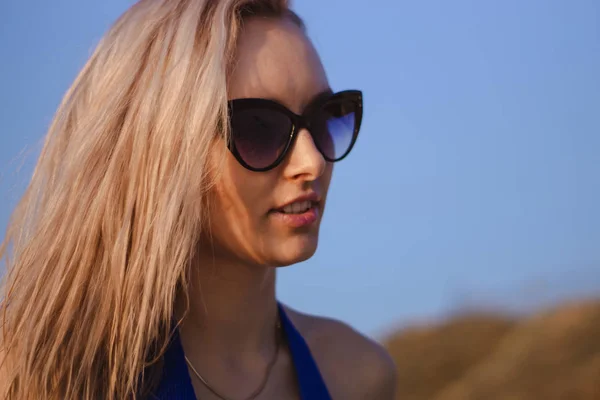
549	355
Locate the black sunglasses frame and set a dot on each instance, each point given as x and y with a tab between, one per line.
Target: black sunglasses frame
298	122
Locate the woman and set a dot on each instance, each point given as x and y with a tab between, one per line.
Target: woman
190	158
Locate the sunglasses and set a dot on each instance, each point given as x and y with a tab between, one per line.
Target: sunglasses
263	131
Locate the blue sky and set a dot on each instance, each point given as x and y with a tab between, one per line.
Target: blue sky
475	179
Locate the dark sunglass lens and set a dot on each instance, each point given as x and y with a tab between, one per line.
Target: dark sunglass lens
260	136
333	128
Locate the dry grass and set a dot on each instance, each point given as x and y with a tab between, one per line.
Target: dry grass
552	355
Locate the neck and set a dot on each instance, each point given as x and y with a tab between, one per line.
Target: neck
232	308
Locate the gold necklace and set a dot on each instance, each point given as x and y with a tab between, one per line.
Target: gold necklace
263	383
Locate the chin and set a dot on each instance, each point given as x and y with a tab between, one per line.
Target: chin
293	251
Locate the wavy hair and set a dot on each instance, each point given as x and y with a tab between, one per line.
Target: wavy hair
100	245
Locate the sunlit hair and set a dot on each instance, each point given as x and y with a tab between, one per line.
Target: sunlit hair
100	245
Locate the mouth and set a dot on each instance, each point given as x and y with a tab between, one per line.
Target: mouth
300	213
298	207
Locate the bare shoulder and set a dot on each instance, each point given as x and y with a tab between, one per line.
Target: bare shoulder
353	365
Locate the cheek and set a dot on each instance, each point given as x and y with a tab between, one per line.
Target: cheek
238	205
237	195
326	179
234	191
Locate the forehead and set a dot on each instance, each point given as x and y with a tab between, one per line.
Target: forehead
275	60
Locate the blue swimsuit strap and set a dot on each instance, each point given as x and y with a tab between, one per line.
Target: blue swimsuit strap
176	383
311	383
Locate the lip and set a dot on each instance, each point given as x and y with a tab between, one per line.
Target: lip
307	218
312	196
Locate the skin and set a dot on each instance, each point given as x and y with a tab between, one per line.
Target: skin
228	333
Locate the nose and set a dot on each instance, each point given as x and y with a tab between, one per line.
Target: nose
305	160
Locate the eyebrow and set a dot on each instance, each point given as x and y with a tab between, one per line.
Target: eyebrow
325	93
322	94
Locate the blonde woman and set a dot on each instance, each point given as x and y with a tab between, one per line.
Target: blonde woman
190	159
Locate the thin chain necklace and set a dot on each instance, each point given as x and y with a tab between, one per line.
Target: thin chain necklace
261	387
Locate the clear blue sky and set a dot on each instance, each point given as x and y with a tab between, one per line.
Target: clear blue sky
476	178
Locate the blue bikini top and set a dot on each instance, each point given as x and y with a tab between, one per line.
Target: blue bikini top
176	382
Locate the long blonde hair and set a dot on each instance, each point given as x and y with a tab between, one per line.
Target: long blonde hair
100	245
